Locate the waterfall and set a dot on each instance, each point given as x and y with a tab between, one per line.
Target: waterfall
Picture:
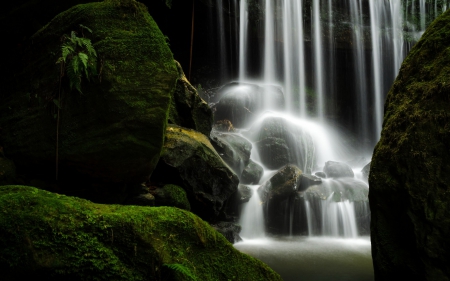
318	65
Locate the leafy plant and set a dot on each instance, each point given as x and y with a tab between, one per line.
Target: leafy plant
78	58
181	269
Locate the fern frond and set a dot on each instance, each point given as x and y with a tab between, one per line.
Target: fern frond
66	50
73	72
85	27
181	269
88	45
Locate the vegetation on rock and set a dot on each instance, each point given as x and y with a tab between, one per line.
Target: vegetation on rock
54	237
409	174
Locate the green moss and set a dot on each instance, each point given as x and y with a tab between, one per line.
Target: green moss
409	174
114	131
55	237
177	196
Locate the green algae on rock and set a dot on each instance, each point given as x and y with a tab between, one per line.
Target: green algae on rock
189	160
112	133
410	174
55	237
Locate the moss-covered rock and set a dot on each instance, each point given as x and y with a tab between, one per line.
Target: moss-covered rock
48	236
188	109
171	195
410	173
110	135
189	160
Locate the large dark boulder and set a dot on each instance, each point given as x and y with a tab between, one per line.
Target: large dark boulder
242	102
7	170
189	160
47	236
280	141
410	173
234	149
187	108
110	137
252	173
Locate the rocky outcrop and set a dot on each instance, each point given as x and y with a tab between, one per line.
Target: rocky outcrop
7	169
189	160
409	174
110	137
47	236
187	108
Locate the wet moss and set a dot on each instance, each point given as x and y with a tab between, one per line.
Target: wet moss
409	175
56	237
114	131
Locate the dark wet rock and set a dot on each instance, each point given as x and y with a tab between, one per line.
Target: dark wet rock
321	175
110	137
337	170
244	193
234	149
341	189
229	230
410	173
171	195
281	185
242	102
224	126
365	172
280	141
189	160
308	180
252	173
187	108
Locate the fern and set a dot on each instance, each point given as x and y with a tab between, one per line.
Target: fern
78	58
181	269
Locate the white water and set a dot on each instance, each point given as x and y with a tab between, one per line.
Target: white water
252	218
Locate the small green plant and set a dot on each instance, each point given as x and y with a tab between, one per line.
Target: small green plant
182	270
78	58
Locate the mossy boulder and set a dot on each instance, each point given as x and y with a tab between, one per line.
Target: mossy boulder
189	160
48	236
410	173
188	109
171	195
111	135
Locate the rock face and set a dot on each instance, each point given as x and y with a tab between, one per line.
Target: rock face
189	160
188	109
7	169
48	236
111	136
409	173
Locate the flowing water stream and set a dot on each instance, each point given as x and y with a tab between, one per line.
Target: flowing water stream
325	69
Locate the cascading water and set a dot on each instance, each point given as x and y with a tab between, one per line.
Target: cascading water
325	69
